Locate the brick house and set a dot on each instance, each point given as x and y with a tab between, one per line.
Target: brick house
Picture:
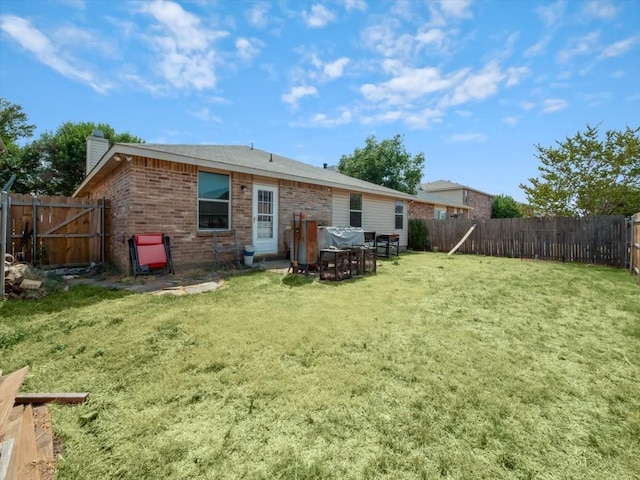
189	191
430	205
479	203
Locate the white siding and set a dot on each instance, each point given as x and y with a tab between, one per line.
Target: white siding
378	214
340	209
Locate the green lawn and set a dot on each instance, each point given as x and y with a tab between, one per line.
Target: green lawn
458	367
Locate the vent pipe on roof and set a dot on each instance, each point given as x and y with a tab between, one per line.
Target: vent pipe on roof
324	165
97	146
251	145
271	157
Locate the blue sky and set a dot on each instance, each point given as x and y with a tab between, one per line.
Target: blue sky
474	85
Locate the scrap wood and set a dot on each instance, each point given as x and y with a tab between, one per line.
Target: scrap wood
9	388
26	451
30	284
40	398
453	250
12	432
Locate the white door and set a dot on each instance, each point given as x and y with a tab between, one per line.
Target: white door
265	218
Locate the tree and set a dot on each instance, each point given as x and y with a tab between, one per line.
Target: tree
385	163
504	206
584	175
14	126
62	155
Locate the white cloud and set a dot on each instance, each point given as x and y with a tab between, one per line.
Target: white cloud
433	39
323	120
48	53
617	74
619	48
246	49
514	74
355	5
551	14
335	69
297	93
584	45
600	9
318	17
258	16
205	115
424	118
596	99
464	113
185	47
511	121
538	48
553	105
476	86
410	84
526	105
455	8
468	137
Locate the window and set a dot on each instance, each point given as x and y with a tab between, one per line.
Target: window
213	201
465	197
440	214
355	210
399	215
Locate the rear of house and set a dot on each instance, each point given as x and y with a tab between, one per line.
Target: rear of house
190	191
465	200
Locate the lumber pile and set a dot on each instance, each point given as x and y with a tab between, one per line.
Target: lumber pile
26	437
20	280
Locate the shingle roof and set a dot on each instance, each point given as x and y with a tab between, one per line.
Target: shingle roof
246	160
443	185
438	200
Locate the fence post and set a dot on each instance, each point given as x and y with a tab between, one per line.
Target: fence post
102	232
34	216
4	222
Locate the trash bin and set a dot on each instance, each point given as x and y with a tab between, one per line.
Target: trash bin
249	250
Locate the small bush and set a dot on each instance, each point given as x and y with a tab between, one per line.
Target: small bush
419	235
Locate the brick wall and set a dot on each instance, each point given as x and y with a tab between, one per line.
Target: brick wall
149	195
481	205
421	211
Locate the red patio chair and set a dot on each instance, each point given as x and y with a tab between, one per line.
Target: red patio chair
150	253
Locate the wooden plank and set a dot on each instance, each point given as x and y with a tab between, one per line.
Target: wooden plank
6	451
9	388
45	461
453	250
43	431
68	221
27	450
40	398
13	431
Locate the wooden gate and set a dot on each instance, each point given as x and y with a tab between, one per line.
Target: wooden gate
57	231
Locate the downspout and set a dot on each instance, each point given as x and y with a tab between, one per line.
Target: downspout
4	205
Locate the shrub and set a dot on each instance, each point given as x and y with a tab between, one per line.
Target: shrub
419	235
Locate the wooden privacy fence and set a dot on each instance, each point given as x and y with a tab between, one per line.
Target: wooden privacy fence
634	245
602	239
57	231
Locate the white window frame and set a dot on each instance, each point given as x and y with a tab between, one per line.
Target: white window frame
351	210
400	215
211	200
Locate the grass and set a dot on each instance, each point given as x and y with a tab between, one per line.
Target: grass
436	367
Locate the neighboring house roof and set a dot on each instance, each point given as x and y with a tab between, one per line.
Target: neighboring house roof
444	185
428	197
236	158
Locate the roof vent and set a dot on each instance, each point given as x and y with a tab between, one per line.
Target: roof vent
271	157
324	165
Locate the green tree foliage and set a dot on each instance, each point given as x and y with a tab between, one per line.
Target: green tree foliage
586	175
62	155
385	163
14	126
504	206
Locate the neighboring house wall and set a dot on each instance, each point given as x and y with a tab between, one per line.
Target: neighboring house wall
421	211
481	205
378	214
